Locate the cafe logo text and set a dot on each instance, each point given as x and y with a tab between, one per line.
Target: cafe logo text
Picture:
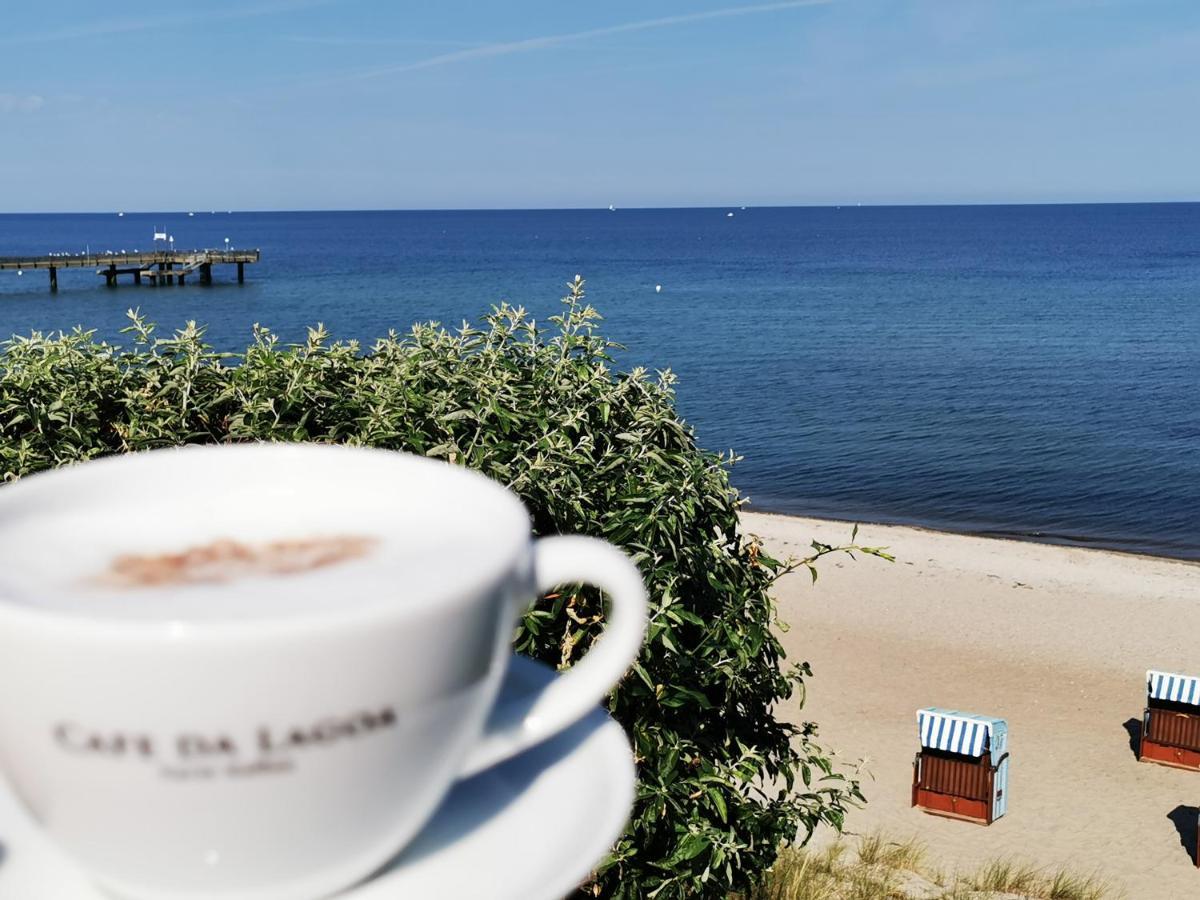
192	755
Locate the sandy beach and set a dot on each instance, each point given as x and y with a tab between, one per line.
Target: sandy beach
1054	639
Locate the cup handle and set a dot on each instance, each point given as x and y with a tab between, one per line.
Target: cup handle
525	721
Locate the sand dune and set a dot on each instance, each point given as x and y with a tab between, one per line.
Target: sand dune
1055	639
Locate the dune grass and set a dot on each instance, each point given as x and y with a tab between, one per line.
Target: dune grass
875	850
878	868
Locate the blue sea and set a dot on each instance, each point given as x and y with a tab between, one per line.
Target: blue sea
1027	371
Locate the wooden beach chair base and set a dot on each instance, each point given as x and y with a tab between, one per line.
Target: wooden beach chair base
1176	757
950	807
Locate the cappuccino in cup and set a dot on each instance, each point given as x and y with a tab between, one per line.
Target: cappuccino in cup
254	670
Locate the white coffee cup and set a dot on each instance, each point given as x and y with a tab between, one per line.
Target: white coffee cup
277	736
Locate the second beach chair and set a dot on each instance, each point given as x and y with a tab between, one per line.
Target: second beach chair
1171	720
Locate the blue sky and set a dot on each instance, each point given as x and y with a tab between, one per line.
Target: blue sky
315	104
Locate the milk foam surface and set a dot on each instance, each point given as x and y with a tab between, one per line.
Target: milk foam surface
432	531
43	572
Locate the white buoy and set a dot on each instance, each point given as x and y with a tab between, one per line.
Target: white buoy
729	215
658	289
20	272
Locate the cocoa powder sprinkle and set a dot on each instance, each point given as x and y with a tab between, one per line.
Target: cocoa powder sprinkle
226	560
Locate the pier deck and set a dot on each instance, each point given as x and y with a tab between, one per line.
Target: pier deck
158	266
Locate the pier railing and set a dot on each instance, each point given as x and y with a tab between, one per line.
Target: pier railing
140	258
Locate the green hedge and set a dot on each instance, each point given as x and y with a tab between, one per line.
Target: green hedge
722	781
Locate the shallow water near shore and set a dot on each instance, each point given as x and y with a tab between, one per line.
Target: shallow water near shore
1024	371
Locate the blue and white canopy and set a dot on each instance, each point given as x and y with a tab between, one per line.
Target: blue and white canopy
1168	686
956	732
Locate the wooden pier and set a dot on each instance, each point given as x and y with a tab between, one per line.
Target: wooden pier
157	266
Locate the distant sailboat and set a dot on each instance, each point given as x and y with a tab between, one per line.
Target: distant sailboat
729	215
611	208
120	214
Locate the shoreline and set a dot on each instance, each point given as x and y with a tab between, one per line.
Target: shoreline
1055	639
1078	543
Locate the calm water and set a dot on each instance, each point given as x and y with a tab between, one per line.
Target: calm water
1014	370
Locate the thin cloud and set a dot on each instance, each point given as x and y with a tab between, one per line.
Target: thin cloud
506	48
21	103
101	29
375	42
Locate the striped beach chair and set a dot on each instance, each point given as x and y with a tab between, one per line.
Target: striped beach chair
1171	720
961	770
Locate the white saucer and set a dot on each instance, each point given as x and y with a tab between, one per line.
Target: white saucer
532	827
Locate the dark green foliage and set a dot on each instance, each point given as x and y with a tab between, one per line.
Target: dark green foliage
722	781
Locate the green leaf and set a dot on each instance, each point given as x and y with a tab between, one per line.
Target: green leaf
718	800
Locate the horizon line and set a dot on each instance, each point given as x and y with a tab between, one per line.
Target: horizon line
735	207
